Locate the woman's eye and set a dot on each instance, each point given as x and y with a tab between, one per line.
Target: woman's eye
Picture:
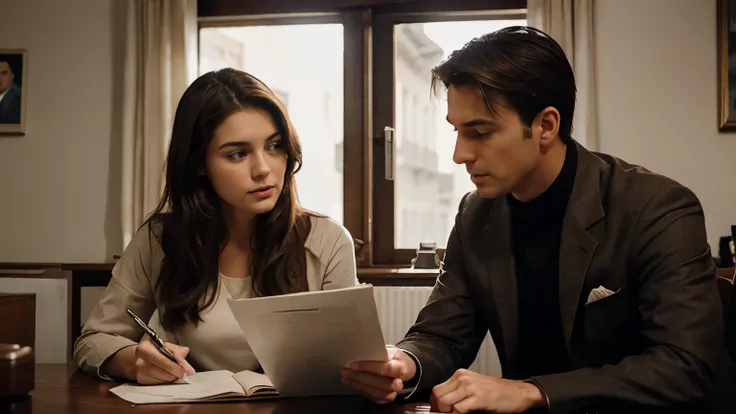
236	155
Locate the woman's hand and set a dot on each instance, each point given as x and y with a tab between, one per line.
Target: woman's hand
153	367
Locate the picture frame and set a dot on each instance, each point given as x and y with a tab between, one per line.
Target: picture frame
13	91
726	16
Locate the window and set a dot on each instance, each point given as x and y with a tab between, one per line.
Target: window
426	177
327	109
346	76
306	86
283	97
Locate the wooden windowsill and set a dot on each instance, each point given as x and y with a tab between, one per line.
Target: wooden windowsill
404	272
388	276
373	273
378	276
370	272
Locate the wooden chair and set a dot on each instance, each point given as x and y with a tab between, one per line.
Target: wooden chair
727	291
726	400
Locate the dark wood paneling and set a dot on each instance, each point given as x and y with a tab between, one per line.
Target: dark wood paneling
208	8
20	265
212	8
33	273
107	266
357	187
18	325
384	104
84	275
439	6
398	277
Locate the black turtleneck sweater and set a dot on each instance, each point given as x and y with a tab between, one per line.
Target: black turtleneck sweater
536	229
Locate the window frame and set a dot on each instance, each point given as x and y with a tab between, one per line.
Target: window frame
385	252
368	197
356	194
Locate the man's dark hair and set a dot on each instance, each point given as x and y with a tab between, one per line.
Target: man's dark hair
10	61
521	65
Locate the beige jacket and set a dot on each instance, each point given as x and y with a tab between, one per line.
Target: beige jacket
217	342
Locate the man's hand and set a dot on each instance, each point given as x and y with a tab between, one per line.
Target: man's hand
380	381
468	391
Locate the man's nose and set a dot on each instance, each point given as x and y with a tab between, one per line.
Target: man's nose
463	152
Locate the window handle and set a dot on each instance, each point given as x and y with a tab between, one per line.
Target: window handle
389	139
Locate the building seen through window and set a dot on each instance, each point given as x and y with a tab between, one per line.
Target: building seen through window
303	64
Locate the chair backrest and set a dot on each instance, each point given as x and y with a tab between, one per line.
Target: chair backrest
727	291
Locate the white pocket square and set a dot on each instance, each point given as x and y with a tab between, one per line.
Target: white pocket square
599	293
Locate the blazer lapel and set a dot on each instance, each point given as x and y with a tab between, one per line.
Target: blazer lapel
502	275
581	228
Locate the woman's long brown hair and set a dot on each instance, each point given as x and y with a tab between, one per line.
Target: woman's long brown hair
193	231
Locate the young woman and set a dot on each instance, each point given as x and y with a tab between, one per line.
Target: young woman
228	226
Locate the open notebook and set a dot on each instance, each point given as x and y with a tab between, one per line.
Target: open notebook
208	386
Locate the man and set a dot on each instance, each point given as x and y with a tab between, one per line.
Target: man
593	276
9	95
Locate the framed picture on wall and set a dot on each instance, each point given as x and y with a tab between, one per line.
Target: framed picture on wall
727	64
13	91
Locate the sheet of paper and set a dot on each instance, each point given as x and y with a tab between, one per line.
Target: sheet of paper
204	376
302	340
168	393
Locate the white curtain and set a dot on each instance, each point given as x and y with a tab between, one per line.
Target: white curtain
160	62
571	23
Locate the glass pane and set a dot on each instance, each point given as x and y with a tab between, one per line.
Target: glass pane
303	65
428	184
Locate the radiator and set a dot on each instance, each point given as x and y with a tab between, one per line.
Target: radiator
398	308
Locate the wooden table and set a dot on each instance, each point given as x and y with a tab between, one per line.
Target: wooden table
61	389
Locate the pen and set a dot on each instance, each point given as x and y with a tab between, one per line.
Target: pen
154	336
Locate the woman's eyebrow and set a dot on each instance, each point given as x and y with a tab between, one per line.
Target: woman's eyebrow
246	144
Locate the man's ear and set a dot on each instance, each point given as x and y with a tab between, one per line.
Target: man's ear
548	120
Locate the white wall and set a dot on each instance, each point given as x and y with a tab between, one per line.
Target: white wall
60	184
658	102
